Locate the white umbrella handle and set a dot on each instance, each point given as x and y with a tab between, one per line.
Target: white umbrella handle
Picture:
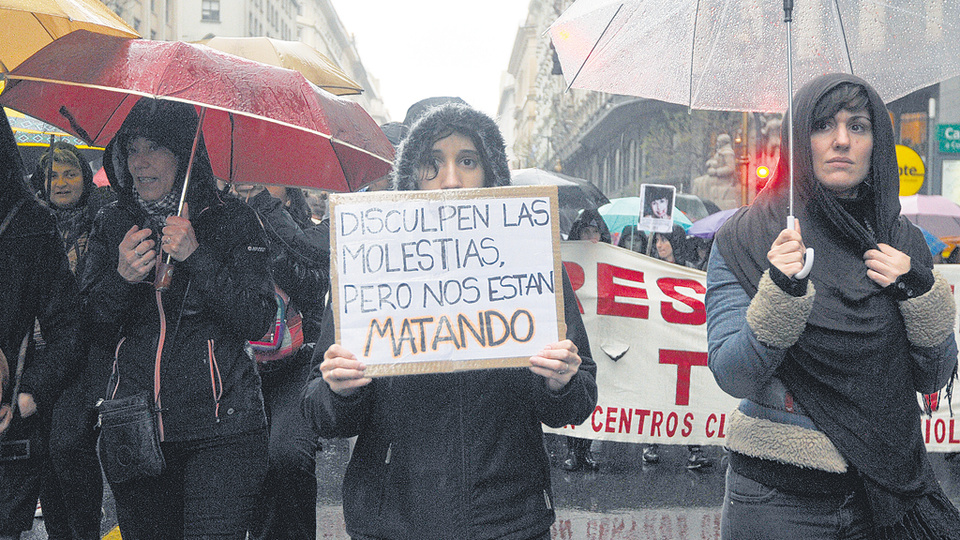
808	257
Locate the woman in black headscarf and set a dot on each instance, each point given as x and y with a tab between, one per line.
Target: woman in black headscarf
826	442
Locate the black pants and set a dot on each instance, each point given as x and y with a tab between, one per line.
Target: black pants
208	490
20	479
287	506
72	494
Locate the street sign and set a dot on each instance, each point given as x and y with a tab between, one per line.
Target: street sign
911	170
948	135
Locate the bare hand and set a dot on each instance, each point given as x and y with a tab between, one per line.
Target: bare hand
557	363
885	265
787	251
26	404
179	239
137	256
6	417
342	371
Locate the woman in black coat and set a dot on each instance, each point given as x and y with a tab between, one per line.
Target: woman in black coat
184	346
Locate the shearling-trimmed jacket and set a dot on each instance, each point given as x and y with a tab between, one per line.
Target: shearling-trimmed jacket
748	343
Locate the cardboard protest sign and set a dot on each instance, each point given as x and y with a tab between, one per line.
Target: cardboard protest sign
438	281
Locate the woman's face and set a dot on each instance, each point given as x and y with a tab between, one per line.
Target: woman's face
842	147
66	185
664	249
659	207
457	163
153	167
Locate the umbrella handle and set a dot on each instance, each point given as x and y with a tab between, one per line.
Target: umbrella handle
807	259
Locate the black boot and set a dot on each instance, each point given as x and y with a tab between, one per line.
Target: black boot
572	463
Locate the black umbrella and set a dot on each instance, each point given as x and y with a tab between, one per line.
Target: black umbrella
575	194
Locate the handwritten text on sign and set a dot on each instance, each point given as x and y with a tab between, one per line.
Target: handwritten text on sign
445	276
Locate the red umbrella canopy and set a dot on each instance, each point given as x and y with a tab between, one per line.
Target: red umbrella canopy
263	124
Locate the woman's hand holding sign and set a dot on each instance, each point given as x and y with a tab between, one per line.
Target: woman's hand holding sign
342	371
557	363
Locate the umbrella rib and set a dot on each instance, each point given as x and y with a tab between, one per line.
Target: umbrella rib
843	36
593	48
34	15
693	49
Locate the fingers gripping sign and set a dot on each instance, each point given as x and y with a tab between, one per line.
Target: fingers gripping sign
342	371
886	264
557	363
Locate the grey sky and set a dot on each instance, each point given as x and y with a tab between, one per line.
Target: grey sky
423	48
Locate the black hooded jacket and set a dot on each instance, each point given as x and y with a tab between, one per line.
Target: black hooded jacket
455	455
35	283
221	296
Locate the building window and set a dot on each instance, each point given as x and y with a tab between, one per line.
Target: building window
136	24
210	10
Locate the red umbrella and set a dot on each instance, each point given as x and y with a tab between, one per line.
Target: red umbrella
261	124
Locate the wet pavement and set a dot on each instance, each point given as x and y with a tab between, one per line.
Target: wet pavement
625	499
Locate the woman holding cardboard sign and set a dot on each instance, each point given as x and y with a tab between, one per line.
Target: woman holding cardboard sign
454	455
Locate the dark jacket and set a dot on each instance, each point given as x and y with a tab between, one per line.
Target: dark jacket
220	298
454	455
300	264
35	283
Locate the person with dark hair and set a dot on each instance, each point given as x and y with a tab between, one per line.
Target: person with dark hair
589	226
827	441
673	248
72	492
36	285
456	455
657	202
632	239
300	266
183	345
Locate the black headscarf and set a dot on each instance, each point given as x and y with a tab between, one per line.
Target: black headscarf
851	368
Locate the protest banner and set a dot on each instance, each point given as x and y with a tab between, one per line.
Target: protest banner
446	280
646	320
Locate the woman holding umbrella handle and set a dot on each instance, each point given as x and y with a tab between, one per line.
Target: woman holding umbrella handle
183	346
826	442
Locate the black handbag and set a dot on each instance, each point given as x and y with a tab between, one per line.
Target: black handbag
129	445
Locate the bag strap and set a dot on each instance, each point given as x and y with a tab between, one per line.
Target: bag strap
10	215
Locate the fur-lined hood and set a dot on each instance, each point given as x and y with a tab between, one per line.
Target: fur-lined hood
438	123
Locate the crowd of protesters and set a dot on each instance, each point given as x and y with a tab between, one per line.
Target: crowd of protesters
135	294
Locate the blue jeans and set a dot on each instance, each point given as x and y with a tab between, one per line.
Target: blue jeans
753	511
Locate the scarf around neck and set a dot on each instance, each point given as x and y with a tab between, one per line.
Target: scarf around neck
851	369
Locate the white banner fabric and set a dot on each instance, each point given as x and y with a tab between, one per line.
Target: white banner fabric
646	322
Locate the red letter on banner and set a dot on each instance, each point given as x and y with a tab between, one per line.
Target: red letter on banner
607	291
669	287
683	360
577	279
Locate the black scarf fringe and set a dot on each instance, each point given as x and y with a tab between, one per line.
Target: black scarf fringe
933	517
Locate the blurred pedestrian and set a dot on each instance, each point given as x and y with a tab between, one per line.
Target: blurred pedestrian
591	227
632	239
185	345
72	494
673	247
456	455
286	505
36	285
827	442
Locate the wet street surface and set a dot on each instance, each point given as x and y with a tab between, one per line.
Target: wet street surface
625	499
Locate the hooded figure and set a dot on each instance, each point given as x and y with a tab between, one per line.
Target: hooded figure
589	218
36	285
457	455
74	221
829	366
185	346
